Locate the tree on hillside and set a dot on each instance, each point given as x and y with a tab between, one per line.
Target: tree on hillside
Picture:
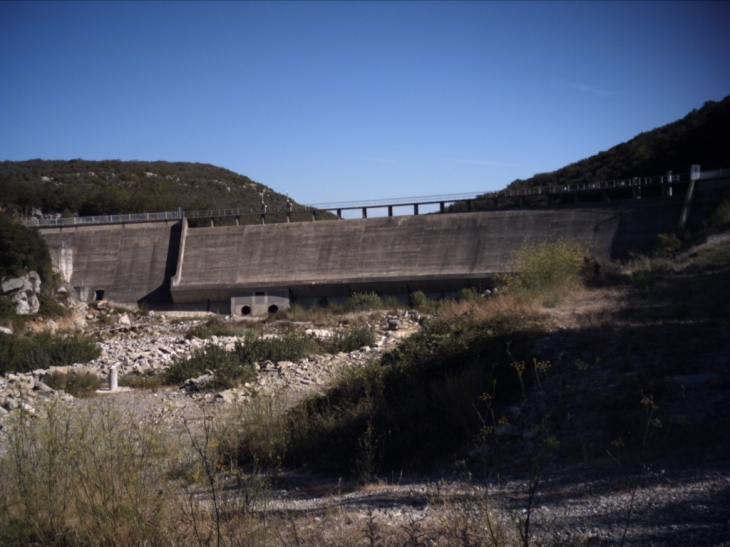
22	250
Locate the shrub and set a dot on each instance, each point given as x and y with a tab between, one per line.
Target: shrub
83	384
543	266
214	327
645	271
90	476
721	217
198	331
22	250
286	347
24	354
418	299
8	316
256	432
469	294
349	340
150	381
49	307
363	301
229	370
668	245
418	402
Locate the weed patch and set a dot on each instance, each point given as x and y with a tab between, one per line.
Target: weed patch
82	384
545	266
363	301
348	340
415	404
24	354
229	369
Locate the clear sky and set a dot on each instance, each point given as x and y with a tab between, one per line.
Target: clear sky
349	101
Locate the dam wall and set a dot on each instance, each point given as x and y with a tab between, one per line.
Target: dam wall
398	255
168	264
126	263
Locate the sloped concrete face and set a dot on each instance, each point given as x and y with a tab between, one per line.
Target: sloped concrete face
123	263
396	254
205	268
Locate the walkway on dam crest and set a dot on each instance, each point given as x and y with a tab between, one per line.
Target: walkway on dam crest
664	185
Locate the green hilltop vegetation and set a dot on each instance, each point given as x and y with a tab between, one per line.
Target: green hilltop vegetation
702	137
86	188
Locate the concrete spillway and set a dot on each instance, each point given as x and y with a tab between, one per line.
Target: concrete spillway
203	268
124	263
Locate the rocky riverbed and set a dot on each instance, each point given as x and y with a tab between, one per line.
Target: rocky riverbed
601	503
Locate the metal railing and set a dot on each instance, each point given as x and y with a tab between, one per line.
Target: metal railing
103	219
351	205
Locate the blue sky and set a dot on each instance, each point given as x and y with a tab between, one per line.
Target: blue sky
353	101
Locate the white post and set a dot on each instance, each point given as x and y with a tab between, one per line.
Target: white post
113	381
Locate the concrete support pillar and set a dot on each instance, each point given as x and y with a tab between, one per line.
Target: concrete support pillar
364	212
415	208
468	205
390	210
113	378
288	216
263	218
212	224
238	220
667	190
314	216
339	214
442	207
689	196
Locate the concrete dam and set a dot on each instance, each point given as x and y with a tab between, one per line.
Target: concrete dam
255	269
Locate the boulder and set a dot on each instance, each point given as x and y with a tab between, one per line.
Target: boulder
24	292
124	320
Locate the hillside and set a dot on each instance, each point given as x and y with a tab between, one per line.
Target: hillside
702	137
113	187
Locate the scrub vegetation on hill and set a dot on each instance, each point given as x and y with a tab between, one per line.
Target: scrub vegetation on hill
702	138
88	188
